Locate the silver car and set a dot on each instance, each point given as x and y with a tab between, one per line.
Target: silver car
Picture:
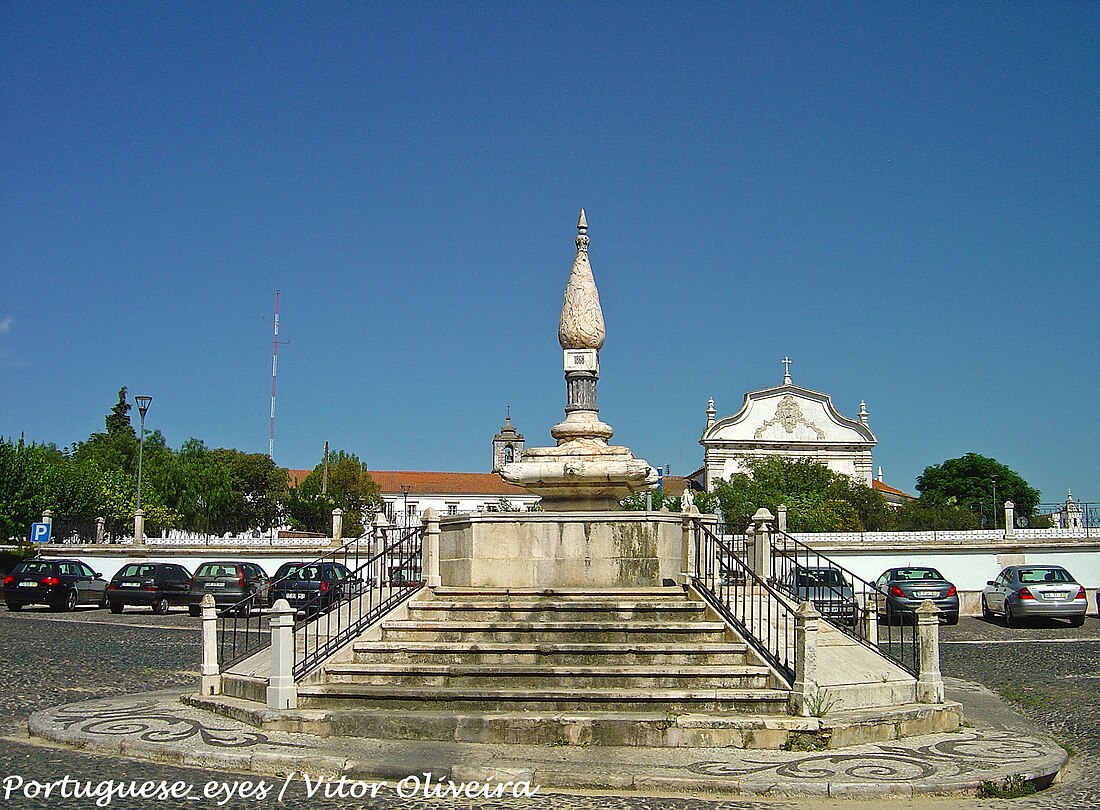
1034	592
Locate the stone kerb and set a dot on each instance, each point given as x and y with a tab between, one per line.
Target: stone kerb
561	549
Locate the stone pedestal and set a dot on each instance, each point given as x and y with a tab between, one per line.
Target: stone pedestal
561	550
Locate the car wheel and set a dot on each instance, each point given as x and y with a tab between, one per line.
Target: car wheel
68	605
952	620
1010	618
1077	621
245	610
194	610
160	606
13	606
117	607
987	614
103	601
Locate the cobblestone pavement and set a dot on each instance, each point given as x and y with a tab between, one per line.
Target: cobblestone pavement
1049	672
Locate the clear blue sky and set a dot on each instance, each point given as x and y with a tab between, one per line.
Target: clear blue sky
903	197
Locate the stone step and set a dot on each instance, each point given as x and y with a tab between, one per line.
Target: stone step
573	610
551	654
669	701
560	594
480	676
477	632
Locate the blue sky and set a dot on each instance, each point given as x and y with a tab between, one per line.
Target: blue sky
902	197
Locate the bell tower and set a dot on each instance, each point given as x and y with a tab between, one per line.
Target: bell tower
507	445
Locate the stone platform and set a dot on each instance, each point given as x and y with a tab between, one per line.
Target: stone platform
158	727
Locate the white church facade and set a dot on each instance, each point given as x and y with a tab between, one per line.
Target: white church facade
789	421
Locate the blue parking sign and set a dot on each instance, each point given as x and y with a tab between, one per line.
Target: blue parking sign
40	532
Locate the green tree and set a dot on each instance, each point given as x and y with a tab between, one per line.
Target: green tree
817	498
967	483
350	487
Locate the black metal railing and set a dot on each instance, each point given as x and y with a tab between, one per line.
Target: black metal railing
334	610
845	600
762	616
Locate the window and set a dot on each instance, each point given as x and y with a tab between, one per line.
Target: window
509	454
452	507
391	511
411	512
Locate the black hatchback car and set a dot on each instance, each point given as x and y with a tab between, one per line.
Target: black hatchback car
230	582
314	587
61	584
153	585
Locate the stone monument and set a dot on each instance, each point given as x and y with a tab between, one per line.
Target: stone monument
583	538
583	472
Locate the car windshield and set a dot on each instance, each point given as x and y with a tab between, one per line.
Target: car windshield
908	574
217	570
306	573
34	567
819	578
1045	575
137	571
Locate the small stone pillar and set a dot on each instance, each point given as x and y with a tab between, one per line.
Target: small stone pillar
47	516
781	518
100	529
210	678
762	555
929	680
867	615
281	690
804	689
430	549
139	527
1010	520
688	563
337	525
381	530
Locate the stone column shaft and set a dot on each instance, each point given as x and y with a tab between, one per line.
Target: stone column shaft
804	689
430	549
210	679
929	681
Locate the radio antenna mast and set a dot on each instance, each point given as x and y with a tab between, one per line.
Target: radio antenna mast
274	374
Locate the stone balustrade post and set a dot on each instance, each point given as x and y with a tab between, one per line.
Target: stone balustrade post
781	517
929	680
1010	520
210	677
804	689
282	693
381	530
430	548
867	614
337	525
762	521
100	529
688	563
139	527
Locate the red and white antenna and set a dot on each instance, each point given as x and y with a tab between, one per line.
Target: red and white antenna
274	374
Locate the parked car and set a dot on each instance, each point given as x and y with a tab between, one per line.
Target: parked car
826	587
230	582
153	585
61	584
314	587
903	590
1035	591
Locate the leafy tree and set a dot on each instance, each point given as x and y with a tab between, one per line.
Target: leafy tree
707	502
817	498
967	483
118	420
350	487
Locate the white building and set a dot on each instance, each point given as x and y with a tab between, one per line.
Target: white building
791	422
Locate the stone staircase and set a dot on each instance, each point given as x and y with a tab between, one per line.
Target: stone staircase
614	667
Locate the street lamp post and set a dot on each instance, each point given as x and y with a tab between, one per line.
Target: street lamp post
995	520
139	516
405	514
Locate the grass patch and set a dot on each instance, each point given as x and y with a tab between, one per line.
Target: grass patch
1012	787
800	741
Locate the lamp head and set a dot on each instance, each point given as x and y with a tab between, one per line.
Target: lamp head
143	404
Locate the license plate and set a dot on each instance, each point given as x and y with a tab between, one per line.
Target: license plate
926	594
1056	595
129	584
28	584
215	584
295	596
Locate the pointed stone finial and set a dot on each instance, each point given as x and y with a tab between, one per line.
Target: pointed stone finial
581	325
880	474
786	370
711	412
863	413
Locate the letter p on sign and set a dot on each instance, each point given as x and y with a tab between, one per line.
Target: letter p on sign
40	532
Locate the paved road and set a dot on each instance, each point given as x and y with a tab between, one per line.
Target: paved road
1051	672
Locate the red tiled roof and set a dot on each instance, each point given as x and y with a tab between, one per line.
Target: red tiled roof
433	483
881	487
